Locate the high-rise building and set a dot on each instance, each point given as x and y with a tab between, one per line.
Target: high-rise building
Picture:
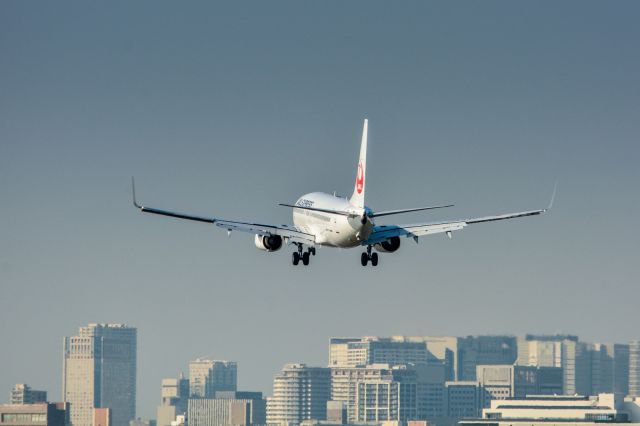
99	371
459	355
345	382
565	351
175	397
232	409
23	394
206	377
102	417
484	350
445	350
609	368
38	414
517	381
357	352
337	412
299	393
462	399
620	369
634	368
386	400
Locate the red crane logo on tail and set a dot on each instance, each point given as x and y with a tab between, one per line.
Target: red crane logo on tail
360	178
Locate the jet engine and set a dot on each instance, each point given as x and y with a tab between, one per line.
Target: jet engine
268	242
389	246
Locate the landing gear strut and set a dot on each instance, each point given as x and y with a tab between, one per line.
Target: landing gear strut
299	255
368	256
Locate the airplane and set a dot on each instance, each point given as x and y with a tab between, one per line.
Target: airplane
321	219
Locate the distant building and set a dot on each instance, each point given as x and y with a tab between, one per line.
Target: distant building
142	422
23	394
386	399
299	393
564	351
445	350
634	368
345	380
206	377
175	397
609	368
428	381
484	350
337	412
100	372
102	417
38	414
463	399
459	355
358	352
226	412
501	382
557	410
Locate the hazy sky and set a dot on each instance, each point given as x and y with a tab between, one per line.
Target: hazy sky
228	108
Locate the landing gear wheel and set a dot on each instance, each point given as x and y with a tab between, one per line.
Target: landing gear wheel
295	258
364	259
312	251
305	258
374	259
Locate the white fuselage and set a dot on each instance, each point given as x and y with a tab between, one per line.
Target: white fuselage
332	229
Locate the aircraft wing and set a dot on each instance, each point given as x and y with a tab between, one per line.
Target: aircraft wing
385	232
288	233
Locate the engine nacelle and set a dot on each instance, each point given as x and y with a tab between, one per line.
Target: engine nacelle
389	246
268	242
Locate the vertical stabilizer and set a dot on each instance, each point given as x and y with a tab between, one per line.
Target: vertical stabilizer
357	199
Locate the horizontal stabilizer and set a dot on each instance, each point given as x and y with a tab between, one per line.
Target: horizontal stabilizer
390	212
339	212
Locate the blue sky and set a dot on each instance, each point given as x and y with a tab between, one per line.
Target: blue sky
228	108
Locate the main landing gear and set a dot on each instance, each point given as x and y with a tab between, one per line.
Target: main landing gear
299	255
368	256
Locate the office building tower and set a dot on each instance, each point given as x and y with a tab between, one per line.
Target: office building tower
386	400
609	368
445	350
565	351
601	364
484	350
517	381
99	371
174	399
101	417
206	377
299	393
462	399
37	414
620	369
23	394
229	409
337	412
634	368
356	352
345	382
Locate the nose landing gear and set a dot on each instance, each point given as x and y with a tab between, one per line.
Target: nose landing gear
368	256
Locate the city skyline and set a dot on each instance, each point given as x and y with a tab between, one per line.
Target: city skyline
229	108
380	353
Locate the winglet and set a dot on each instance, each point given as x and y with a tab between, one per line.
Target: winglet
553	196
133	193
